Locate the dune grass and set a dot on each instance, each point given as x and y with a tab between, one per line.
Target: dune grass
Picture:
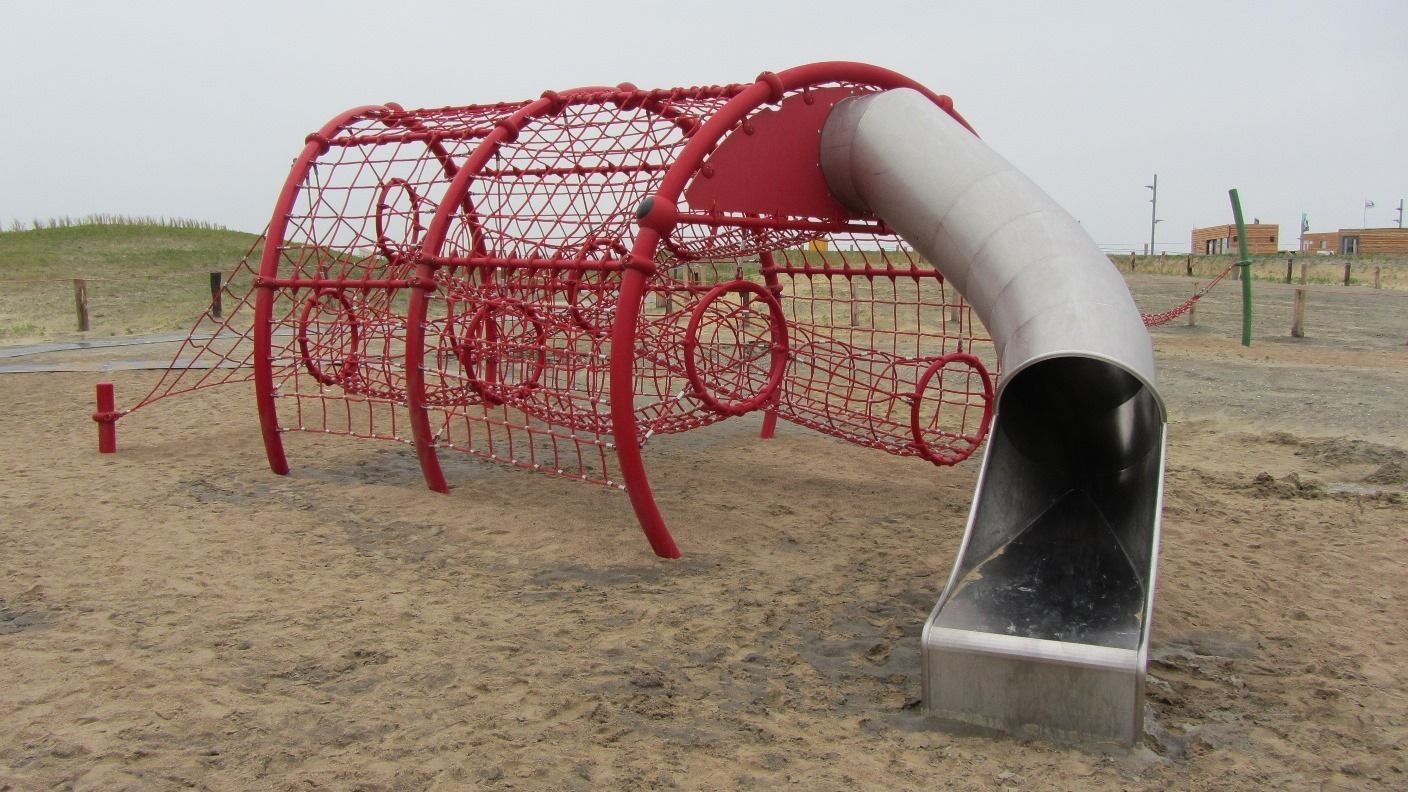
141	278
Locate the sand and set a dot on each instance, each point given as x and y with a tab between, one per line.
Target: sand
176	616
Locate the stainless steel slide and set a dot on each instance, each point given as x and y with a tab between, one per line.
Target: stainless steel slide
1044	622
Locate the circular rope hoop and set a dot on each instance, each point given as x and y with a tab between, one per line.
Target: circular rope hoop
592	294
336	340
725	345
389	210
504	350
938	436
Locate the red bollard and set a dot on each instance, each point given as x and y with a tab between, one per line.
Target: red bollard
106	416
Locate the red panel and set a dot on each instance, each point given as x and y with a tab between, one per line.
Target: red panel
771	164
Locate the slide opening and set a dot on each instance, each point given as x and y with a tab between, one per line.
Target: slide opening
1061	545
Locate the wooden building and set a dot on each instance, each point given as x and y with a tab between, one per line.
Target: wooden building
1215	240
1326	242
1354	241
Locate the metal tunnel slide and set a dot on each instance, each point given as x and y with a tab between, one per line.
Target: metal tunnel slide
1044	623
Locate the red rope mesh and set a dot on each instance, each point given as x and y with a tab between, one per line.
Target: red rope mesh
217	350
864	322
530	280
357	223
863	342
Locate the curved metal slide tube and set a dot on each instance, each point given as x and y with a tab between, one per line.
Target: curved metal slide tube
1044	621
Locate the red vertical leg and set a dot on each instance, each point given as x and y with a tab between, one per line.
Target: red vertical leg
264	379
769	421
416	313
623	414
106	416
770	278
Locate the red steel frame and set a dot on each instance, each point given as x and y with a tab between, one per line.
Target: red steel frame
480	276
769	88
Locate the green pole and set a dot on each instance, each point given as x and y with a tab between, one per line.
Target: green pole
1246	264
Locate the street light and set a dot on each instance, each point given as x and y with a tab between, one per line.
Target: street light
1153	211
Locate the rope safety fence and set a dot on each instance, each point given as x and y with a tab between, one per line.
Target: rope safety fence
1164	317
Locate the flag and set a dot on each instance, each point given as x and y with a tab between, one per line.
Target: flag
1368	204
1304	222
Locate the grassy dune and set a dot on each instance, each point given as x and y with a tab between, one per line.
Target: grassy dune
141	278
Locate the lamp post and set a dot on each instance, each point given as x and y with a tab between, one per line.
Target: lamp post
1153	211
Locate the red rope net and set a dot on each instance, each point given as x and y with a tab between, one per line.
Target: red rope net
896	362
217	350
830	325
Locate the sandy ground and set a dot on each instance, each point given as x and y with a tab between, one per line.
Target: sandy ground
176	616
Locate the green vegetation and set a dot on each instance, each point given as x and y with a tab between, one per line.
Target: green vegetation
140	278
111	219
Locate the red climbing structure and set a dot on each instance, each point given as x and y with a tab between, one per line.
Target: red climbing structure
557	283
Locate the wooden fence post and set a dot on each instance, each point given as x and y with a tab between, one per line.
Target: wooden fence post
1188	265
1304	273
1298	315
1193	309
80	303
1346	273
216	309
1290	262
1377	282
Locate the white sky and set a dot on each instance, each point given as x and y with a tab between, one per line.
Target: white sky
194	109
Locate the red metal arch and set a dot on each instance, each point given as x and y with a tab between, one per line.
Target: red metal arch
315	147
418	309
267	283
656	226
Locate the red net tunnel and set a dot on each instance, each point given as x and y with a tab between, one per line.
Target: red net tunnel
556	283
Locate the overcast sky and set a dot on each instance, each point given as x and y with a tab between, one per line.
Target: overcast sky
193	109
